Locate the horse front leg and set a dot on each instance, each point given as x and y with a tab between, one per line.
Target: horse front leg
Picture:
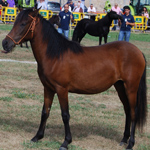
21	45
63	100
105	39
100	40
27	45
48	99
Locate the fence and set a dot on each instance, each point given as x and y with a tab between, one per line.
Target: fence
8	14
47	14
141	23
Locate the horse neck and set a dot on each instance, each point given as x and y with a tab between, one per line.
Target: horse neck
38	47
51	20
108	20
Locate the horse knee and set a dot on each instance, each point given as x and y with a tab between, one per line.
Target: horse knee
65	117
44	114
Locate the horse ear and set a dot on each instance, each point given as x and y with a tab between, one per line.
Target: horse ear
20	8
36	11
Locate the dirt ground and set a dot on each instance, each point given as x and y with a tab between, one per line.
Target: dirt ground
97	121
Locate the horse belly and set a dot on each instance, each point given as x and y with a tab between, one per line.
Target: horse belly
92	30
93	81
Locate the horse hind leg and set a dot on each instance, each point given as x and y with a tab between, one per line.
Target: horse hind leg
119	86
105	39
132	102
132	91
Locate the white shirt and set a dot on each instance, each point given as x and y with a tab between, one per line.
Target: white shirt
77	9
43	4
91	10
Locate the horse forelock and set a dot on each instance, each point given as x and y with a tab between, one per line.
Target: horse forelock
23	15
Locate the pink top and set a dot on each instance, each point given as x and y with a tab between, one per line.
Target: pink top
117	10
146	15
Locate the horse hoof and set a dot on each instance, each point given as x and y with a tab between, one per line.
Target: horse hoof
34	140
63	148
122	143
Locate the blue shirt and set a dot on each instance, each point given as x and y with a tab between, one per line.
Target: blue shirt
128	18
65	19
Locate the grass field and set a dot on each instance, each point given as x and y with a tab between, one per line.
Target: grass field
97	121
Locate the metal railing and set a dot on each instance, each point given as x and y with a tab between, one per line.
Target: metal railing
8	14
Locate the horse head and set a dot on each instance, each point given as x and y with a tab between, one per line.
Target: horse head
113	15
55	19
22	30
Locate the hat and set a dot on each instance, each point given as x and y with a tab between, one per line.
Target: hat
126	7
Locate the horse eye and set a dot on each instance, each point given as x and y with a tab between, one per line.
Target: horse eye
23	24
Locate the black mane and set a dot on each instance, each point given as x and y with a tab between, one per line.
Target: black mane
57	44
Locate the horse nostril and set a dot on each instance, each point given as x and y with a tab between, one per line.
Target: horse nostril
5	43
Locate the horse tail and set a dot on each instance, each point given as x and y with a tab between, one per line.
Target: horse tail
141	108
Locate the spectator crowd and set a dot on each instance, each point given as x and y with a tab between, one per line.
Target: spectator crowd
66	15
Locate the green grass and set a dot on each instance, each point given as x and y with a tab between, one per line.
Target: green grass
92	115
51	145
6	27
7	99
144	147
19	93
113	36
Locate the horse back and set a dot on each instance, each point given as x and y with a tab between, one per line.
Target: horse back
123	57
98	68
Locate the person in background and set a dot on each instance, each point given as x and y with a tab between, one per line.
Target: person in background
3	3
78	8
26	3
71	4
42	4
11	3
92	9
75	6
118	11
126	25
65	17
69	7
81	5
145	13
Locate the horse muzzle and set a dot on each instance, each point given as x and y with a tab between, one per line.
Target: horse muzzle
121	18
8	45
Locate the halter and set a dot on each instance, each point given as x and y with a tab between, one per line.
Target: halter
32	27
